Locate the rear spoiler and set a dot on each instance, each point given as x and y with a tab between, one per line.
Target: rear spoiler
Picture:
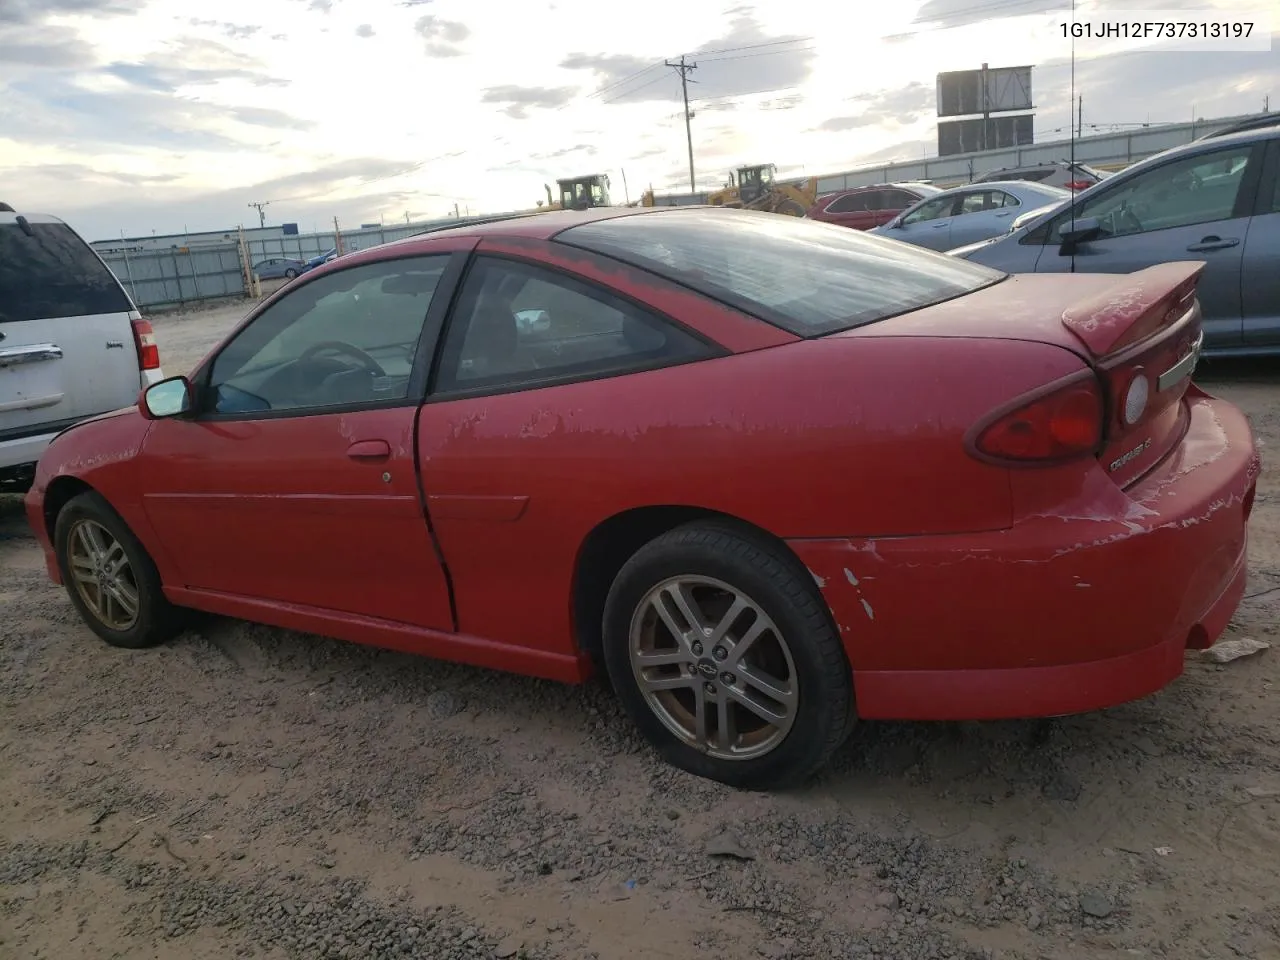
1134	307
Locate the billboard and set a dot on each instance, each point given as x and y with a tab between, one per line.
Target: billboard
960	92
967	136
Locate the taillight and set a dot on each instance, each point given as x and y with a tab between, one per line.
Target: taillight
1060	422
148	352
1079	184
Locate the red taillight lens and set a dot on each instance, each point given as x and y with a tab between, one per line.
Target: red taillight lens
148	352
1079	184
1064	422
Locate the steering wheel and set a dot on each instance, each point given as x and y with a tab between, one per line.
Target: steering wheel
338	346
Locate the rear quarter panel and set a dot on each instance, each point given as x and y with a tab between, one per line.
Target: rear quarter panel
821	438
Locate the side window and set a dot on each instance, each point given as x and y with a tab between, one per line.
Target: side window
1002	199
849	203
518	324
940	207
899	200
875	200
1198	189
976	202
347	338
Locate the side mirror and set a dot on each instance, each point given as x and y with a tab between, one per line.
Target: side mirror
168	398
1082	231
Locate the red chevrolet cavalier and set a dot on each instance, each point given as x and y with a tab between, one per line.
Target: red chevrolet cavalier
770	474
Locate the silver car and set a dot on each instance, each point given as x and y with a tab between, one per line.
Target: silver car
1216	200
964	214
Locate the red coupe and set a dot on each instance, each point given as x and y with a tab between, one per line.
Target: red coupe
770	474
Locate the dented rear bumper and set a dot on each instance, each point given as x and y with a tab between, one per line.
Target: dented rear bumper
1085	606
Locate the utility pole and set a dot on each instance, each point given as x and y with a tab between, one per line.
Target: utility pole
986	109
261	207
337	237
1079	117
684	68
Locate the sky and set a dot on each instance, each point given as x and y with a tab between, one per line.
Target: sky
134	116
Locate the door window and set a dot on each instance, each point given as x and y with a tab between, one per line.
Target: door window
518	324
849	203
349	337
1198	189
941	207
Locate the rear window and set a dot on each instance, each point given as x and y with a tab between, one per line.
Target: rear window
808	278
53	273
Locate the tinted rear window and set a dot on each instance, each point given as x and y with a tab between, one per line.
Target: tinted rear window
53	273
807	277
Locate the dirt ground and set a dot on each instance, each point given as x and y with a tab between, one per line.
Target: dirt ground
248	792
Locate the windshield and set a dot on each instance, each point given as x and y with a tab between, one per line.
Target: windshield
47	271
807	277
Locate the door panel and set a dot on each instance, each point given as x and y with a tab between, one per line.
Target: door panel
505	464
1260	282
296	480
1192	208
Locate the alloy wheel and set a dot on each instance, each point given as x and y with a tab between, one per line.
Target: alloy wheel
713	667
103	577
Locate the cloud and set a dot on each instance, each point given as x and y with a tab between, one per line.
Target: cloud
322	6
959	13
235	31
744	60
442	36
364	30
360	170
583	148
27	12
191	61
38	45
517	100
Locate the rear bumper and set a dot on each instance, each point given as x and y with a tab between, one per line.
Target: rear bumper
1090	607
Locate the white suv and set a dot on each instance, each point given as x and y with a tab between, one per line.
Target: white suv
72	344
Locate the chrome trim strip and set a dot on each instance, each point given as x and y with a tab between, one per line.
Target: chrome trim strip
36	352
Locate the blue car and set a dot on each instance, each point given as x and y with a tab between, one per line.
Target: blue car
1216	200
330	254
278	268
962	215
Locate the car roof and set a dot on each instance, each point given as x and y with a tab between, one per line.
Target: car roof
535	225
29	217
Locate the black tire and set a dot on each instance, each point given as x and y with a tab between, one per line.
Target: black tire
290	273
157	620
778	584
790	208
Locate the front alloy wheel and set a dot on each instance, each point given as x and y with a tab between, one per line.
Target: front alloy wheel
102	575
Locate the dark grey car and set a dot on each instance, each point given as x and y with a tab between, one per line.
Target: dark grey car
1215	200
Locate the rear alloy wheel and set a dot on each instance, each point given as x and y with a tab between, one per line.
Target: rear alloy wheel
290	273
110	578
725	656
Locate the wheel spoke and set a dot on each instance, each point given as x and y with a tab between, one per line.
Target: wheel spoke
682	597
87	542
700	715
83	573
679	682
725	730
769	715
122	597
660	658
773	688
739	648
739	606
113	558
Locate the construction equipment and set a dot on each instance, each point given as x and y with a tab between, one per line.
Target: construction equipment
756	189
578	193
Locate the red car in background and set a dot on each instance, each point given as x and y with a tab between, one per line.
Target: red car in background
770	477
865	207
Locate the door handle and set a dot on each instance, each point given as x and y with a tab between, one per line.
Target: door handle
1213	243
939	226
369	450
1005	214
